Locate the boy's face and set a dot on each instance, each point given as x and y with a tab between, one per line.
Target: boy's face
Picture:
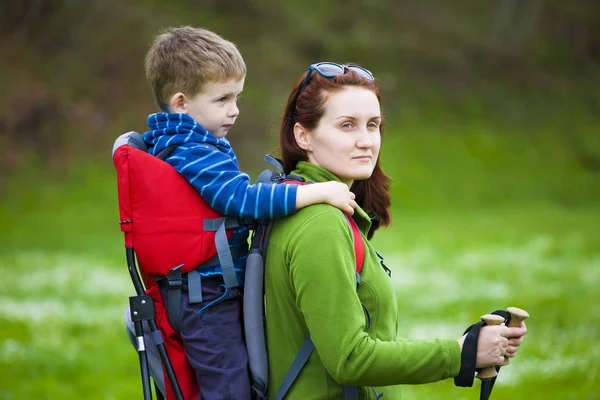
215	107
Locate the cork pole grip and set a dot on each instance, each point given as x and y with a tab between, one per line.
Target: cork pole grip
516	317
490	372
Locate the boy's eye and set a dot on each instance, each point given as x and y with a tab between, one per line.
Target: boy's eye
222	100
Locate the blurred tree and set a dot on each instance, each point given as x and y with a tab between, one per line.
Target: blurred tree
79	65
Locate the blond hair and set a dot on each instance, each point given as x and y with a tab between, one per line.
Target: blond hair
184	59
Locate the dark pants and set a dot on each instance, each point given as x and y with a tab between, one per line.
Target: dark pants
213	341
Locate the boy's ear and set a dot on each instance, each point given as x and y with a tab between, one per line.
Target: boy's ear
177	103
302	137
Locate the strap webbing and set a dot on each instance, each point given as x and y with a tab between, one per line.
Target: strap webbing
224	253
174	285
194	287
350	393
468	357
301	359
194	280
211	225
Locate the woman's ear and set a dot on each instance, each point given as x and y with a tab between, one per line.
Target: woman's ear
302	137
177	103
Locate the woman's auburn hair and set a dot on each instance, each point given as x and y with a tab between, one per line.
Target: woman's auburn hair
307	106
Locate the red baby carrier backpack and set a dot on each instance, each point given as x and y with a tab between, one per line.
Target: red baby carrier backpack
170	230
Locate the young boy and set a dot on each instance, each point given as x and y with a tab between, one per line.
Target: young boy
197	78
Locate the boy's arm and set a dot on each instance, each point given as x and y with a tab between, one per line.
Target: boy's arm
228	190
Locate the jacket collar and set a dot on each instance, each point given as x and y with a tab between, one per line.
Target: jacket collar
314	173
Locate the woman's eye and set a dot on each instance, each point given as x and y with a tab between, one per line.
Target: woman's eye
347	125
373	125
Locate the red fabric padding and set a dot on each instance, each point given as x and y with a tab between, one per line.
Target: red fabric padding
186	377
161	214
359	245
120	160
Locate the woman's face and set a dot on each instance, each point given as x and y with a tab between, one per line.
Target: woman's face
347	139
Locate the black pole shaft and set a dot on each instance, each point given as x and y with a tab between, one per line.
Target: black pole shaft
133	273
164	358
139	333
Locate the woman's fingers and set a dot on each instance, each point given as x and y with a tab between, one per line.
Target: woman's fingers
513	347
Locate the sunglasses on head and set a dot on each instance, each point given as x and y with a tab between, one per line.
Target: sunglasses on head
330	70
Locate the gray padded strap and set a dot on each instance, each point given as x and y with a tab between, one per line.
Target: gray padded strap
131	138
224	254
194	287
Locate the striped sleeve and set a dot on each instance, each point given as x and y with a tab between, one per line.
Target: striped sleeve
225	188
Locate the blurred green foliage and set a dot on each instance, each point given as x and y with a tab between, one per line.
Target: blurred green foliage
76	68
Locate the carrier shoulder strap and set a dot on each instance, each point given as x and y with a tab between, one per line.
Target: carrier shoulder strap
166	152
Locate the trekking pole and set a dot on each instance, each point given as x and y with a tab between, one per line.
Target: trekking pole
490	372
516	317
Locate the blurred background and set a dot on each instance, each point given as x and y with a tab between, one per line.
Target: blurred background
492	141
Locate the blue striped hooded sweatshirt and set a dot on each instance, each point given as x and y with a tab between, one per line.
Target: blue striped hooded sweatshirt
215	173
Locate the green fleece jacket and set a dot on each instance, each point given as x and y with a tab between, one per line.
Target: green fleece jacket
310	286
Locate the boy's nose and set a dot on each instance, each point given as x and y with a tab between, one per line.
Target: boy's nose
234	111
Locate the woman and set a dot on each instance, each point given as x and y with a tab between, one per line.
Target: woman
331	130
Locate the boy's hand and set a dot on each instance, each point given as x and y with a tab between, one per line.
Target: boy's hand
335	193
339	195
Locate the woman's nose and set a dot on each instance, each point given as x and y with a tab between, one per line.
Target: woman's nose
364	139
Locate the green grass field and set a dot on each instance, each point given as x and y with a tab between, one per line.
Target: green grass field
456	250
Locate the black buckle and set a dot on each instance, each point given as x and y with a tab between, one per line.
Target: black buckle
176	283
174	280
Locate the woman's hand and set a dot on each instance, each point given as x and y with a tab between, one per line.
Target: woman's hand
496	342
515	342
